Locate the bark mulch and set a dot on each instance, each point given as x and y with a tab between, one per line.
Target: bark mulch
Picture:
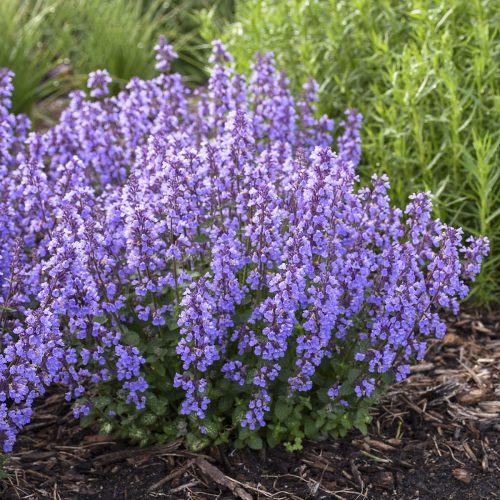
435	436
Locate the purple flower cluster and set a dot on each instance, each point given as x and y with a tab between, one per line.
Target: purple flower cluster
226	211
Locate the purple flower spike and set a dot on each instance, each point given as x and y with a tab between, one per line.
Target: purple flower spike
98	83
165	54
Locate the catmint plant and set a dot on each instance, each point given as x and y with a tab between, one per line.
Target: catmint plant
202	263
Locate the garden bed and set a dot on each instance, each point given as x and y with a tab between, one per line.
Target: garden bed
436	435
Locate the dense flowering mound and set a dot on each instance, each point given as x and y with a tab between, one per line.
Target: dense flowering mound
204	257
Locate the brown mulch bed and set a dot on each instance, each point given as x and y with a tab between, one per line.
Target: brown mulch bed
435	436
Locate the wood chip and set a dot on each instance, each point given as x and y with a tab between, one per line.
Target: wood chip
469	452
478	327
492	407
173	475
356	474
472	396
462	475
384	479
424	367
452	339
97	438
221	479
379	445
117	456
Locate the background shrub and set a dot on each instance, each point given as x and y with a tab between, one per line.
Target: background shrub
28	50
52	45
423	73
119	36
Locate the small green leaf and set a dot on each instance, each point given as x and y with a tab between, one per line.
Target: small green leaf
196	442
272	439
212	427
157	406
121	408
296	445
239	414
244	433
172	324
238	444
87	420
171	430
101	402
311	428
137	433
282	410
201	238
223	438
243	317
353	374
362	428
132	338
255	442
148	420
225	404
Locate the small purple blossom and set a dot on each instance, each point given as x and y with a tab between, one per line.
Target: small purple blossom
98	83
164	55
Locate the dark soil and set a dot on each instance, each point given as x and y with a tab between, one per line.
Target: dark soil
435	436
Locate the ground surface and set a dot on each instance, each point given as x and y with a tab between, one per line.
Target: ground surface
435	436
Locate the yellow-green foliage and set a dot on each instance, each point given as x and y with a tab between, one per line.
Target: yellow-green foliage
425	73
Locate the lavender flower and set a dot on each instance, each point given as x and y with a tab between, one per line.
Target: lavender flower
98	83
164	55
223	227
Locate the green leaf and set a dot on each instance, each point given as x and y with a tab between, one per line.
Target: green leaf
102	401
148	420
243	317
106	428
121	408
223	438
157	406
244	433
137	433
225	404
132	338
238	444
160	369
239	414
255	442
282	410
319	421
272	439
201	238
311	429
353	374
323	397
87	420
172	324
171	430
212	427
362	427
196	442
296	445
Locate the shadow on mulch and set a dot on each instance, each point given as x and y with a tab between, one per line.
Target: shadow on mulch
435	436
